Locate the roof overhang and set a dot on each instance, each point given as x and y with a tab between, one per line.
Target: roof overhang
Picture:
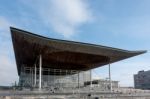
63	54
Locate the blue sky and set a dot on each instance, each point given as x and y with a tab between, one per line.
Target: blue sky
117	23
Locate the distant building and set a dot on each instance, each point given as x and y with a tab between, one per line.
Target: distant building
142	80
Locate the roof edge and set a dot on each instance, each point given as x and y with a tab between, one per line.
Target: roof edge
75	42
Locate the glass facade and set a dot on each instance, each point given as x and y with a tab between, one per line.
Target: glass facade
53	78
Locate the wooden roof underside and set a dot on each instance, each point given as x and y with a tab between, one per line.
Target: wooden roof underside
62	54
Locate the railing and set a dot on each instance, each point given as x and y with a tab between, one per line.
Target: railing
76	93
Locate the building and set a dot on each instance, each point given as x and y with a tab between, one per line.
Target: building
142	80
103	84
52	63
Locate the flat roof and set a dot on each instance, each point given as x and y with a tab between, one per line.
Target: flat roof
63	54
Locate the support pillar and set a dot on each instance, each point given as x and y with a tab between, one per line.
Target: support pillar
30	77
78	80
40	71
91	78
35	75
32	70
110	83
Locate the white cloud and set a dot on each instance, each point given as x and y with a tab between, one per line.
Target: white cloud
3	24
7	66
68	15
4	27
64	17
8	70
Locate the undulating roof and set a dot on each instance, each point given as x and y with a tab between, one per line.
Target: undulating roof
63	54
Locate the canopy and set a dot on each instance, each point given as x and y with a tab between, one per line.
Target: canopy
63	54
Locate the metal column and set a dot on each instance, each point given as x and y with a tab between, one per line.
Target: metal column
91	78
110	84
78	80
32	77
40	71
35	75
